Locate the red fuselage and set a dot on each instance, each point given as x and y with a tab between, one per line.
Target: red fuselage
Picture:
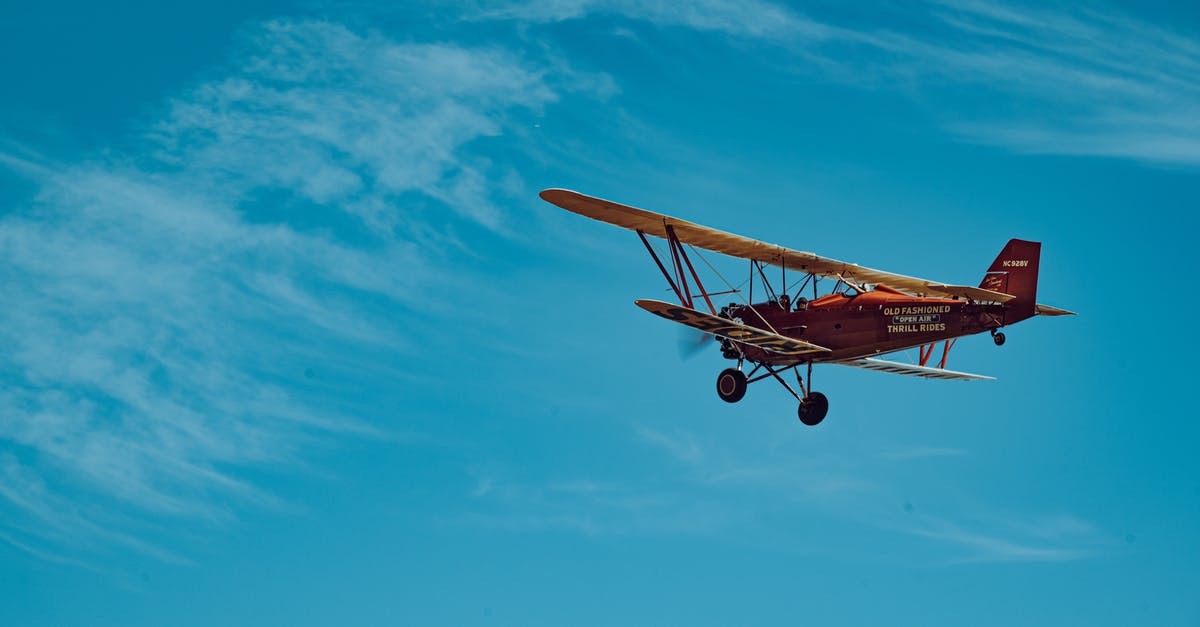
863	325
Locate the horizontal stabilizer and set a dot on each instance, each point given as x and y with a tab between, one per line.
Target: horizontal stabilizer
911	370
726	328
1047	310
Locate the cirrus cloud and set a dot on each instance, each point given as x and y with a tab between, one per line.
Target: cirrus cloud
165	302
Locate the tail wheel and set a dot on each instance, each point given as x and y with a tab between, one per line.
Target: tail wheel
998	338
813	409
731	385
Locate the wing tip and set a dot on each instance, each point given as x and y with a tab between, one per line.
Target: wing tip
551	193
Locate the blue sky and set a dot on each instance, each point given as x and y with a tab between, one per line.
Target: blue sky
288	337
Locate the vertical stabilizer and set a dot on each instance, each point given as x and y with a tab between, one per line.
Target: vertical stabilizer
1015	271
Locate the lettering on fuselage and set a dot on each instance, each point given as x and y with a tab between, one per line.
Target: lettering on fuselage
916	318
916	310
916	328
1015	263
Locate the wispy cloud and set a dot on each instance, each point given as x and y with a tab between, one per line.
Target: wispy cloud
1086	82
922	452
165	305
708	488
717	466
346	120
1039	540
727	485
750	18
1075	81
592	508
681	446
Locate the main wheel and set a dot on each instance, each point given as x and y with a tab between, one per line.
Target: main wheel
731	385
998	338
813	409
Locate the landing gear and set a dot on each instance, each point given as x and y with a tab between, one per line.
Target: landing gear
813	409
731	385
998	337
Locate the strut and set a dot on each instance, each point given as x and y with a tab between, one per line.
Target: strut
663	268
679	259
927	352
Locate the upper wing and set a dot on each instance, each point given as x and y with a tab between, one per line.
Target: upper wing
656	224
909	369
728	328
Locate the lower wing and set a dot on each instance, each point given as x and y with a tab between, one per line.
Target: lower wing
729	329
911	370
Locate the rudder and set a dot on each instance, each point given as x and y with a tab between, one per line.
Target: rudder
1015	271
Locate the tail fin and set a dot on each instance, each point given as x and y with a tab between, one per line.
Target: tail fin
1015	271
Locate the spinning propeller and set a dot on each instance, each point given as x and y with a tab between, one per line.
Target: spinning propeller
692	341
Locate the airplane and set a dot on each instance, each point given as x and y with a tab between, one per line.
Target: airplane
866	314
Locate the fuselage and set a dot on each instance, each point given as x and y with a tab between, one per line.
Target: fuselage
857	325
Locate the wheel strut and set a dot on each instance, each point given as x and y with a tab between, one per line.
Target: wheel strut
782	382
814	405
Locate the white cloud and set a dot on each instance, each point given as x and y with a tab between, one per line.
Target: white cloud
749	18
1019	542
594	509
922	452
1088	81
1085	82
335	117
682	446
159	321
859	488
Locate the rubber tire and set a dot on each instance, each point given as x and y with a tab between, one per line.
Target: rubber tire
734	381
998	339
813	409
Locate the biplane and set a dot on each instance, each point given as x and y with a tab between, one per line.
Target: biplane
867	313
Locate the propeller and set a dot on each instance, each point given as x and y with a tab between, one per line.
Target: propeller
692	341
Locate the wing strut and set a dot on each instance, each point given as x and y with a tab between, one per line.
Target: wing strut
677	248
679	258
663	268
927	352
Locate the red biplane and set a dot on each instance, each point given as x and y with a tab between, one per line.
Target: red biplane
867	312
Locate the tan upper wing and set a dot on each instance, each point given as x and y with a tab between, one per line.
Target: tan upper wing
655	224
